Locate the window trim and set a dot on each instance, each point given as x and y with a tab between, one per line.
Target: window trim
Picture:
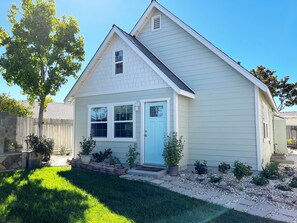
114	63
152	23
110	121
265	123
97	122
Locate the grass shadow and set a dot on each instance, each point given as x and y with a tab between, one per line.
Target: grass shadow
26	200
142	202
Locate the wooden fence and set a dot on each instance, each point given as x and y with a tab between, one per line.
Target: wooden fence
61	130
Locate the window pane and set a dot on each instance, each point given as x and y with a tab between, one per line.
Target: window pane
99	114
99	129
156	111
123	113
123	130
119	68
119	56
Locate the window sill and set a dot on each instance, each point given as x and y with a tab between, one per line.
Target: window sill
115	139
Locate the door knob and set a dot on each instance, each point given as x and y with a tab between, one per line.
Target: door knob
145	133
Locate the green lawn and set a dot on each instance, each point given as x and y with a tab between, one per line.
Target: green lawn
63	195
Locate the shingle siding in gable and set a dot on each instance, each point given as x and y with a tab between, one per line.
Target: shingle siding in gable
222	117
138	75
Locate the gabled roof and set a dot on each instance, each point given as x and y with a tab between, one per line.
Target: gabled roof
158	63
155	5
164	72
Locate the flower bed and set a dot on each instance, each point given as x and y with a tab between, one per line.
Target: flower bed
101	167
245	188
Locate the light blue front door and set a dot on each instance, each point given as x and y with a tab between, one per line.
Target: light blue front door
155	130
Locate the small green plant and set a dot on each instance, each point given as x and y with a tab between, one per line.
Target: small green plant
7	145
271	171
101	156
132	156
113	160
260	181
293	182
200	167
289	171
215	179
62	151
283	187
87	146
224	167
173	150
241	170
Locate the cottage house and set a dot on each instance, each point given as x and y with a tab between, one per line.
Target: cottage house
164	77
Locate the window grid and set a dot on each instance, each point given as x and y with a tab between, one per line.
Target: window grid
119	59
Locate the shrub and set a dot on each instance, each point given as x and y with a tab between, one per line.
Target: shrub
87	146
200	167
112	160
293	182
173	149
40	145
224	167
289	171
101	156
7	145
132	156
283	187
260	181
240	170
62	151
271	171
215	179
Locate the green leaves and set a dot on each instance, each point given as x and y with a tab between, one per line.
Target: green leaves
281	88
42	51
12	106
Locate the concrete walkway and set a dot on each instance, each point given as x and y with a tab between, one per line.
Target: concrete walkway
59	160
229	201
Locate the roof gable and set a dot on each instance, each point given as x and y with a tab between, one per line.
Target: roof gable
169	77
156	6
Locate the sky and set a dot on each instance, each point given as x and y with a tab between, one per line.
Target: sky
250	31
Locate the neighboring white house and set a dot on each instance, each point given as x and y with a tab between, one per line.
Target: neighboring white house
291	124
164	77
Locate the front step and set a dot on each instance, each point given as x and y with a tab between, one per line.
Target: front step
146	171
281	158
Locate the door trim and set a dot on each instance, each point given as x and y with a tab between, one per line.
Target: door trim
142	121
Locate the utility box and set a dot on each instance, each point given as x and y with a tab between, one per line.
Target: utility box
280	135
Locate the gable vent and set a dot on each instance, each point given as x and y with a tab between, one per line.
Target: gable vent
156	23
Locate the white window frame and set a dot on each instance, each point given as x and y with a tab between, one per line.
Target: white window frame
110	121
114	63
152	23
97	122
266	134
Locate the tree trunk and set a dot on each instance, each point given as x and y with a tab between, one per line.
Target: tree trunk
41	103
40	117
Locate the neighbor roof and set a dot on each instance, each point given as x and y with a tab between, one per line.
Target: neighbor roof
292	114
53	111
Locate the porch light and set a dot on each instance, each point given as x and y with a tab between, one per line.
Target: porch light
136	105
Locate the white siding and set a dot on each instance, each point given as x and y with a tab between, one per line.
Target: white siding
183	126
267	145
137	74
119	148
221	123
